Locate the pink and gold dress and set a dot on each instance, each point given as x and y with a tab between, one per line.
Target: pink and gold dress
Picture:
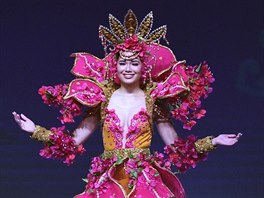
128	168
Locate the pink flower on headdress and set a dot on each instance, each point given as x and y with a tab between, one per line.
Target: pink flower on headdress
133	44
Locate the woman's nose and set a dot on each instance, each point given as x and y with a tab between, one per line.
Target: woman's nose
128	68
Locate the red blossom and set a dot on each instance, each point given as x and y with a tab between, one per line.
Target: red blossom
183	154
188	107
69	108
61	146
188	125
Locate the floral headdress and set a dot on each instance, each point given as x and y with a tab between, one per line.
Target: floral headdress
129	37
120	33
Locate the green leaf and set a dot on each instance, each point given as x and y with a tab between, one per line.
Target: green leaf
130	155
198	69
85	180
49	95
130	186
133	173
119	161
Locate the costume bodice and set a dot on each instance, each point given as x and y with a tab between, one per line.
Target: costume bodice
136	133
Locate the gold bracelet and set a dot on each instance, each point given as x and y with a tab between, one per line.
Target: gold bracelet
41	134
204	145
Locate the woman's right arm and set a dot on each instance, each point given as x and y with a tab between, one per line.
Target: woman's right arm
81	133
85	129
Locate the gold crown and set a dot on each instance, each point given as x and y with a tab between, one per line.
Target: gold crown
120	32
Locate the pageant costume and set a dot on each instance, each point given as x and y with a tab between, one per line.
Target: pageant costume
172	90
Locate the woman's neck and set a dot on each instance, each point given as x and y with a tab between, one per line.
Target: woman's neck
129	89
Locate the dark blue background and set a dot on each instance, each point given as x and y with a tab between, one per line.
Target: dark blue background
36	38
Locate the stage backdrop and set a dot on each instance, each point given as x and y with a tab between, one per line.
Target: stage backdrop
36	39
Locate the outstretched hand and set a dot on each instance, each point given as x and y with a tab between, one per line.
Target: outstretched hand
24	123
226	139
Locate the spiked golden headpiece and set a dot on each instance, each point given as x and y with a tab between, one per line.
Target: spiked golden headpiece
118	32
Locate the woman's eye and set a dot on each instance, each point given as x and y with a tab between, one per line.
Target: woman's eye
135	64
122	63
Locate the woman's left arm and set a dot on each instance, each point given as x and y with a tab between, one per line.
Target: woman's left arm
166	132
169	135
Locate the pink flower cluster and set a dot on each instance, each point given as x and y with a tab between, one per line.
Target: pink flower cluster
54	96
114	126
134	167
134	44
188	107
135	126
61	146
89	93
141	168
183	155
99	166
162	161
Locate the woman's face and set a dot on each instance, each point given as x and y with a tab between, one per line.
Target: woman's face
129	71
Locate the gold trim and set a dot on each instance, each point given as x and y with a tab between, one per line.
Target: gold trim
145	25
108	34
149	102
156	34
108	89
117	27
131	23
125	152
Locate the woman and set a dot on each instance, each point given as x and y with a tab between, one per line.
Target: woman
139	82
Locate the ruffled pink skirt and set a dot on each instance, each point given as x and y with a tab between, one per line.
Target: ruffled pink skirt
149	184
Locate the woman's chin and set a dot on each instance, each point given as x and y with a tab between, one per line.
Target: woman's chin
130	81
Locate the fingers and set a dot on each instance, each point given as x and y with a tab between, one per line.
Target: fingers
231	135
20	119
236	138
16	117
24	117
239	135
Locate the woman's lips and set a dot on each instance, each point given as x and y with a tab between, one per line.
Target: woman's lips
128	76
